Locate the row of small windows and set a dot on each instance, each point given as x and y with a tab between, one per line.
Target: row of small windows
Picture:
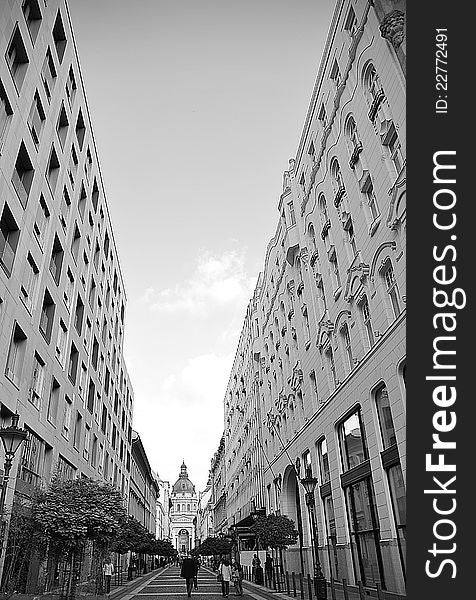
17	55
185	507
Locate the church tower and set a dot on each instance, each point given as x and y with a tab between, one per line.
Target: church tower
183	512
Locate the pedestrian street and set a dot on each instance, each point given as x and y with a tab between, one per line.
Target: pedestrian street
168	584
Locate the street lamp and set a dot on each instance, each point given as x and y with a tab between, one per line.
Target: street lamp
309	483
12	437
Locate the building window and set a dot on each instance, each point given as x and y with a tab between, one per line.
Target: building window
32	457
323	461
394	149
332	367
48	74
37	381
30	282
73	363
365	533
322	116
91	396
78	315
313	381
385	417
82	202
17	58
312	151
56	261
40	226
391	288
335	74
61	343
365	312
80	129
335	275
73	166
59	37
36	118
347	344
331	531
65	208
70	87
351	22
88	165
292	216
53	169
67	417
53	401
9	234
22	176
87	442
354	447
16	355
47	316
75	243
69	289
77	431
399	506
371	202
6	113
32	14
83	377
62	125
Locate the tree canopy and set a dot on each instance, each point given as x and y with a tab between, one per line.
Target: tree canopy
212	546
275	531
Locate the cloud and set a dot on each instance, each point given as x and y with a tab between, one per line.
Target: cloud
217	282
182	417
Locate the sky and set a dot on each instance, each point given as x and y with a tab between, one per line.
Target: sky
197	107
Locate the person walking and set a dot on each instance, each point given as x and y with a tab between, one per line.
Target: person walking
108	571
188	572
257	570
225	571
268	569
196	560
237	575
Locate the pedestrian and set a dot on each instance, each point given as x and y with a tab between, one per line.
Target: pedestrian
188	572
224	570
196	560
108	571
255	568
237	574
268	569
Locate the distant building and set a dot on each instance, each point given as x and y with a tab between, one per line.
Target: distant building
144	489
318	380
163	509
183	512
205	523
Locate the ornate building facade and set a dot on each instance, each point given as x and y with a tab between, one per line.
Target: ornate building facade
318	380
183	512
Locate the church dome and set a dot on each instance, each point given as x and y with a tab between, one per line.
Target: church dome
183	485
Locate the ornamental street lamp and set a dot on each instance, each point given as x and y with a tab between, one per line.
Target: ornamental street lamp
12	437
309	483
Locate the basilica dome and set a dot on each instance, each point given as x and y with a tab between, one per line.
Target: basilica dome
183	485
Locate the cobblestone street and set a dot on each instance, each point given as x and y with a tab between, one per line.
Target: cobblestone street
169	584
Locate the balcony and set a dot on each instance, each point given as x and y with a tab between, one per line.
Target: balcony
339	195
376	102
355	155
291	242
325	228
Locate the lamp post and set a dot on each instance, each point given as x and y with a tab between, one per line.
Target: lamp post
12	437
309	483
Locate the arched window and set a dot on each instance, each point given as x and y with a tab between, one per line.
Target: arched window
373	87
312	237
347	345
188	507
352	136
337	179
391	288
322	203
367	323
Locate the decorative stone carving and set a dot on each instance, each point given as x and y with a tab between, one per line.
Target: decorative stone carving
392	28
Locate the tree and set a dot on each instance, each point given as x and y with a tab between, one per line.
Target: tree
132	536
275	531
212	546
76	512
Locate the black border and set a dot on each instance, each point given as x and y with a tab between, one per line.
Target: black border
427	133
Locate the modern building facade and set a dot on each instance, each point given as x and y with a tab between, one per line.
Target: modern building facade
318	381
143	489
62	296
183	512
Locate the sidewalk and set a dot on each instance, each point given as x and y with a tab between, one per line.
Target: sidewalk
130	588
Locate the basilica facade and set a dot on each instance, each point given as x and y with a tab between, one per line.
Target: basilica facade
183	512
